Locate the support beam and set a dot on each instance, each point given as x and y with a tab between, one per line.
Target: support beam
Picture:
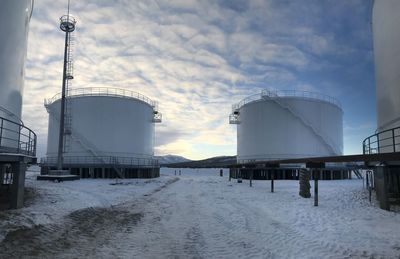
381	186
18	185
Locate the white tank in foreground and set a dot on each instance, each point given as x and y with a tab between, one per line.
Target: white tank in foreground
287	124
107	126
14	25
386	35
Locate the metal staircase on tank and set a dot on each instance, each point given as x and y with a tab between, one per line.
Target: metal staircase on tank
358	173
68	85
266	94
86	145
89	147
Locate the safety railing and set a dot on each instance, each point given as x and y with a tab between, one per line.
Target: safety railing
16	138
287	93
386	141
104	91
101	161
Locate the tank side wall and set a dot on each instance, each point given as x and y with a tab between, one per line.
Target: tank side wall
270	131
14	25
386	40
109	126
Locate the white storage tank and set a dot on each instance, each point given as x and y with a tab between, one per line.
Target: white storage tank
287	124
386	38
104	127
14	25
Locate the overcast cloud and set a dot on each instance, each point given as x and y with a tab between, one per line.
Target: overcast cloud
197	58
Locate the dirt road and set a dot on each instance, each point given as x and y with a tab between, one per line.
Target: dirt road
190	217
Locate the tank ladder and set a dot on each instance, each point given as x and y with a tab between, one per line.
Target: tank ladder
324	139
68	103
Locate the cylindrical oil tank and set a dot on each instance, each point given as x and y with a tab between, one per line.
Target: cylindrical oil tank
103	126
14	24
287	124
386	40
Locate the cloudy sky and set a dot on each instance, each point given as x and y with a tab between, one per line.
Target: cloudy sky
197	58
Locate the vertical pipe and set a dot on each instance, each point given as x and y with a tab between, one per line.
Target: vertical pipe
19	139
315	187
1	131
272	180
251	178
62	108
394	141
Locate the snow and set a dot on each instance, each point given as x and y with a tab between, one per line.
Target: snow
198	215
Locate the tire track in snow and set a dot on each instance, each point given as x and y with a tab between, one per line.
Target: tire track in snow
83	232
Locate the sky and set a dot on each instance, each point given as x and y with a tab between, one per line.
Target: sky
197	58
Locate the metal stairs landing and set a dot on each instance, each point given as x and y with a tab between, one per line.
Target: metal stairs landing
275	98
234	116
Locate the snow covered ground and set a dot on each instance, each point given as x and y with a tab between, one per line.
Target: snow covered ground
197	215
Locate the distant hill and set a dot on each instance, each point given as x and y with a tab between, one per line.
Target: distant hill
171	159
213	162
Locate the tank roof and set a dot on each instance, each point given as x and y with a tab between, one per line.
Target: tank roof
286	93
104	91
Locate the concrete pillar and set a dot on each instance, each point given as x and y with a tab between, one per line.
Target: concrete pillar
381	186
18	185
331	174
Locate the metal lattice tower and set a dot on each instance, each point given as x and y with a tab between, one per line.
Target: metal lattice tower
67	25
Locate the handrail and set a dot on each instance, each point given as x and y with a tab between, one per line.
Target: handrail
104	91
287	93
102	160
382	142
16	138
